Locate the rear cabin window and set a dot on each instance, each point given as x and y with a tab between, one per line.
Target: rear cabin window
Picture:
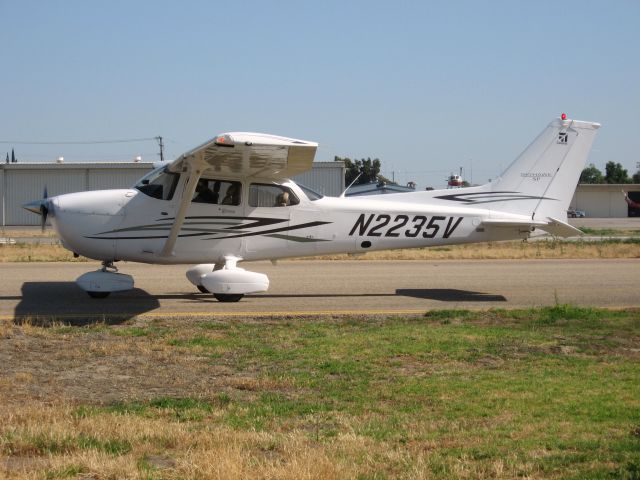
265	195
218	192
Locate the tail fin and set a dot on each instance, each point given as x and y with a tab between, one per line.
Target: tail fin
541	181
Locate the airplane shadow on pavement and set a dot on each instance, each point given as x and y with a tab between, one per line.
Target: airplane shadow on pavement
44	302
450	295
441	294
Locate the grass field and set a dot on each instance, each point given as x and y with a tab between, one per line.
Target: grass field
545	393
611	248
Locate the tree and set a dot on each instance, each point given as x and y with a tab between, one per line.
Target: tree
614	173
591	174
636	177
370	170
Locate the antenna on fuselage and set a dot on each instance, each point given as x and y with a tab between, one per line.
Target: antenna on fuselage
350	185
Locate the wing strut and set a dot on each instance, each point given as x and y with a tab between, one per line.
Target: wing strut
194	171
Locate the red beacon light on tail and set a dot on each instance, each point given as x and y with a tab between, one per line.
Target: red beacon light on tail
563	116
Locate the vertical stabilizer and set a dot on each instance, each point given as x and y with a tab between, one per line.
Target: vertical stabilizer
542	180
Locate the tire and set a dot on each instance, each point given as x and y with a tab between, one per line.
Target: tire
228	297
98	294
202	289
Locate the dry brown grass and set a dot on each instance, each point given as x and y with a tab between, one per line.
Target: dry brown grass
49	438
49	441
77	401
35	252
18	233
22	252
506	250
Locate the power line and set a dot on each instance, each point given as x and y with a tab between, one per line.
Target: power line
88	142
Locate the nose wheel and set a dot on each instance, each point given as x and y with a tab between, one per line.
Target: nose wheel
98	294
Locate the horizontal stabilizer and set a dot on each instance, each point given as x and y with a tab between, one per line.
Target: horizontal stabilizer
552	225
524	224
561	229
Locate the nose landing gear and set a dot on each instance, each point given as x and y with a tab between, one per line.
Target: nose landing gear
102	282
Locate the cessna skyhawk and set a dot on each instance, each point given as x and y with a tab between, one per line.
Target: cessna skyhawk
230	200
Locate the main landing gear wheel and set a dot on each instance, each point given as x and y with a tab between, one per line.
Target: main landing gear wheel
226	282
98	294
228	297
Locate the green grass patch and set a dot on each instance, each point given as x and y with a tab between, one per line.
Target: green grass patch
70	471
139	331
46	444
180	409
605	232
549	392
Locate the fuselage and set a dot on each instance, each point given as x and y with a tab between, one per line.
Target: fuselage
133	224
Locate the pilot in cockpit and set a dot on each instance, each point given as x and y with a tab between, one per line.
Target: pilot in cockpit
232	196
204	193
282	200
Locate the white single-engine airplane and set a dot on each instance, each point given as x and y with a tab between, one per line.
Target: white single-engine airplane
231	200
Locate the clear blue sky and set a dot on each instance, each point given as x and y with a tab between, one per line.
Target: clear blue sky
424	86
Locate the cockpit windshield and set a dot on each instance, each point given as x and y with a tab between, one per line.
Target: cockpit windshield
159	183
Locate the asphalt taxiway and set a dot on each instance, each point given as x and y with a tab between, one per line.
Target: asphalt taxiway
309	287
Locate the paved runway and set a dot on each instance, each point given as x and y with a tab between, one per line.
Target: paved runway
328	287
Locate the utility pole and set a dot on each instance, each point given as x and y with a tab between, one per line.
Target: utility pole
161	145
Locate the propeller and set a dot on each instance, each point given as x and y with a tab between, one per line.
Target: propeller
41	207
44	208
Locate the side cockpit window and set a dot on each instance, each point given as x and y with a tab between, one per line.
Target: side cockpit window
159	183
218	192
265	195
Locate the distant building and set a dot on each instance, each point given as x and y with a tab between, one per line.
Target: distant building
378	188
606	200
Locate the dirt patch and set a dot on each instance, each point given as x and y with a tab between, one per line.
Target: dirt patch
101	368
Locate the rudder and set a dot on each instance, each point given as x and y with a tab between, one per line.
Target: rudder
541	182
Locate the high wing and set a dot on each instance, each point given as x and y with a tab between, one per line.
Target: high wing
239	155
244	154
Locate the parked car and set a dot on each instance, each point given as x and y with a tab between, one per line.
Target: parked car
576	213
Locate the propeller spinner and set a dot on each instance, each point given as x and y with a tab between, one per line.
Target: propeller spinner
41	207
